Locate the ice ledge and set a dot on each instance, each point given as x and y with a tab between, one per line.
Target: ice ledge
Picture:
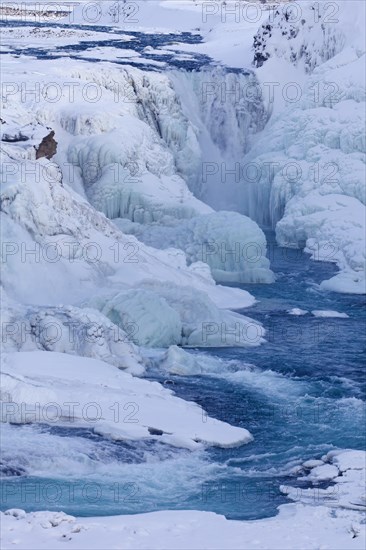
61	389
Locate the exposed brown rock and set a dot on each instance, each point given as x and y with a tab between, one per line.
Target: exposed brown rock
48	147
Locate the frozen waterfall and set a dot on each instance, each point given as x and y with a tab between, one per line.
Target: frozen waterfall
163	160
227	109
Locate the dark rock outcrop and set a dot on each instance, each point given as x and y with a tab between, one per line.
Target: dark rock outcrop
47	147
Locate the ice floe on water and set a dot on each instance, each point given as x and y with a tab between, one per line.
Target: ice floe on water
329	313
297	311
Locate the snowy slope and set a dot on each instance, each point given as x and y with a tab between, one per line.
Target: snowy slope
308	50
75	391
136	154
65	251
109	247
310	33
311	155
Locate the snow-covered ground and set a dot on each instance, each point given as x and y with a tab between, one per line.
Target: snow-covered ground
320	518
112	176
309	161
315	191
81	392
78	250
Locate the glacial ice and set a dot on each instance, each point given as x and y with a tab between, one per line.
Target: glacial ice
129	173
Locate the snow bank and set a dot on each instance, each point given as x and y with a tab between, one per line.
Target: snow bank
314	193
324	522
67	329
76	391
345	470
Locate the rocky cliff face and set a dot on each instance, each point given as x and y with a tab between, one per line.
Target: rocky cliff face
309	33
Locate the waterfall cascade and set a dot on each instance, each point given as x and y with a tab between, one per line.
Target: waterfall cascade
171	144
228	110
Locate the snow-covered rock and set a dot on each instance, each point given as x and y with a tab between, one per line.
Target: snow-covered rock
311	155
78	391
309	33
297	311
345	470
67	329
